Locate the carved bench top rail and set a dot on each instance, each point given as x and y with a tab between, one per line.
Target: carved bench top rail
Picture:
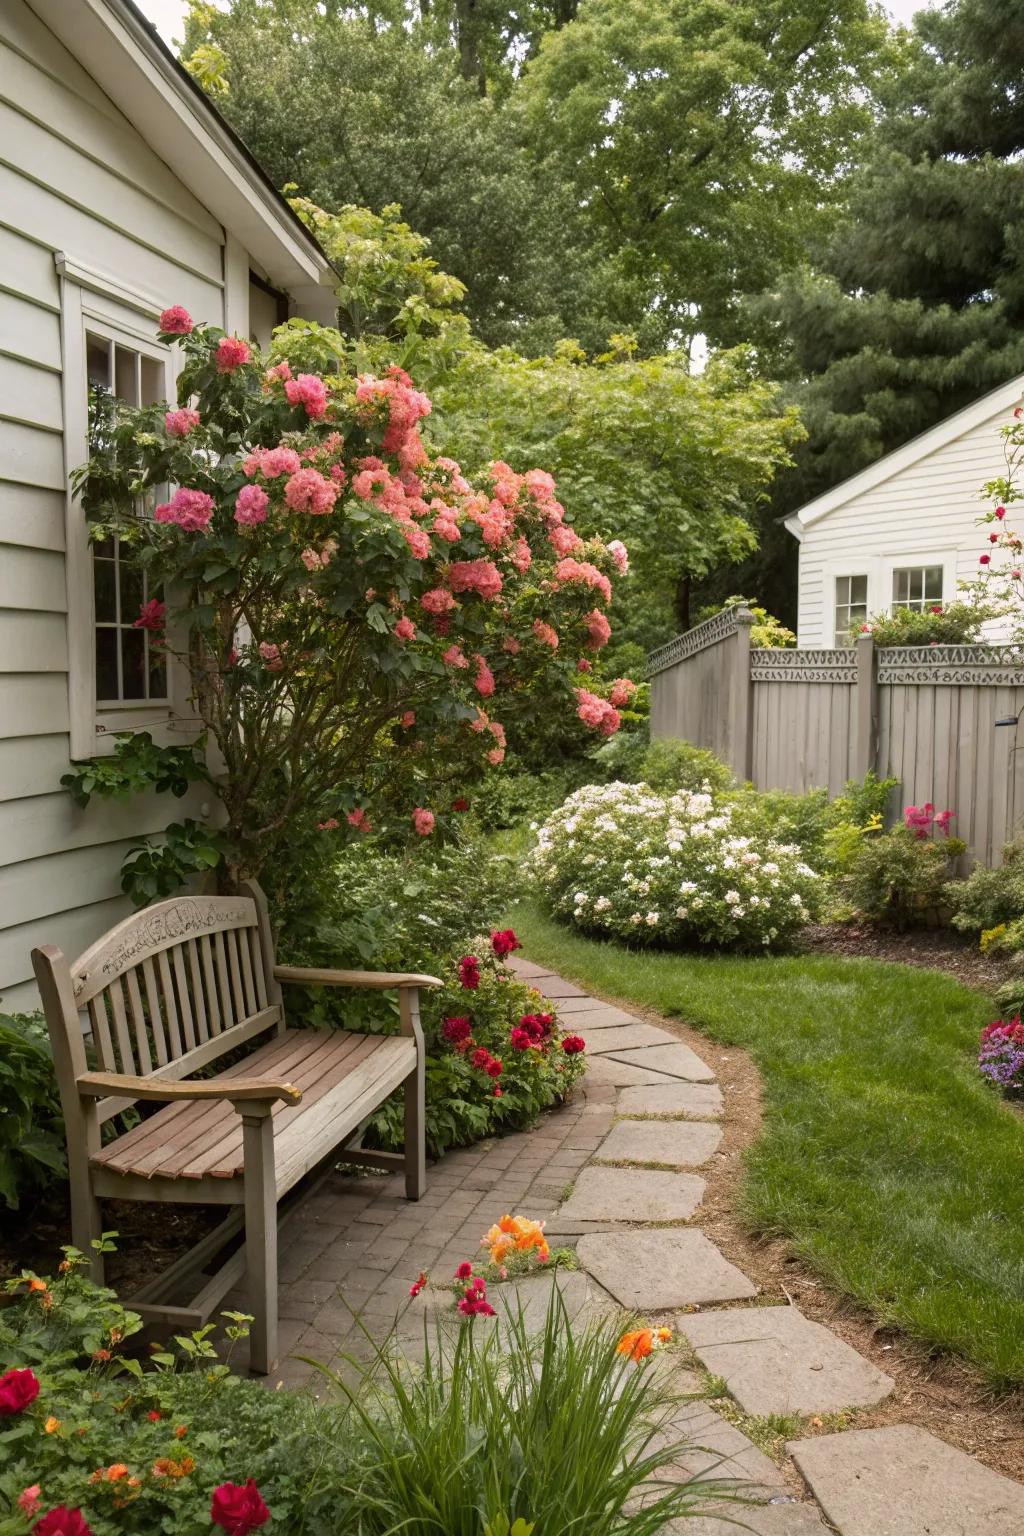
807	666
711	632
152	931
990	666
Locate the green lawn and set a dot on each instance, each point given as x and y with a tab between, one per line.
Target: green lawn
895	1171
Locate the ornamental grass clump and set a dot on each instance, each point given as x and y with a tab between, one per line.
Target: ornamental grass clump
669	870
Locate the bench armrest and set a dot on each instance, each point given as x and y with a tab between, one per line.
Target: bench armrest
380	980
118	1085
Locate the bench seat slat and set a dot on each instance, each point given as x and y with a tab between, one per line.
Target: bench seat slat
343	1076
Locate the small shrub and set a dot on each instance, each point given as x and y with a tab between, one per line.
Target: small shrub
1001	1054
496	1054
903	876
766	633
621	860
992	898
669	765
510	795
31	1125
954	624
827	832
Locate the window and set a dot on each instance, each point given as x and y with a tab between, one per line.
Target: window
851	607
917	587
128	666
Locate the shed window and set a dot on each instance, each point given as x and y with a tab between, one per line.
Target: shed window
917	587
851	607
129	667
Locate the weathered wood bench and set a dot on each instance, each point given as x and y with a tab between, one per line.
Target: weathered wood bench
174	989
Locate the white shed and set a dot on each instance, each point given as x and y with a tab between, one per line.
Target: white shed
903	531
122	191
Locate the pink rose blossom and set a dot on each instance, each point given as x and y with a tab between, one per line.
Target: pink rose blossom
598	713
251	506
437	600
271	462
620	555
1000	512
180	423
545	634
232	352
484	680
28	1500
564	541
330	825
272	656
417	540
583	665
567	571
191	510
408	720
405	629
480	576
308	491
176	321
598	629
447	528
423	821
358	819
622	691
279	371
521	556
453	657
152	615
310	559
511	645
308	390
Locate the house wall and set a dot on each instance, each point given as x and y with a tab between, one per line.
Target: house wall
922	515
75	177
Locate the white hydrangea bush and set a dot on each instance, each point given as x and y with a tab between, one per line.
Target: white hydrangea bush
621	860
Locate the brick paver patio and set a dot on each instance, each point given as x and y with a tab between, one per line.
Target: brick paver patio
356	1246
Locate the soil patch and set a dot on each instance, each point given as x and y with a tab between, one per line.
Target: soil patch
938	1392
938	949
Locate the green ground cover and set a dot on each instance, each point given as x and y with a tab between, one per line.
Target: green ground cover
895	1171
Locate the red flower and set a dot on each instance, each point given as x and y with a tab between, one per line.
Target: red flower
62	1522
18	1388
469	972
572	1045
520	1040
1001	511
497	1093
175	321
238	1509
151	615
464	1270
480	1058
153	1415
494	1067
418	1284
993	538
504	942
461	804
984	559
456	1030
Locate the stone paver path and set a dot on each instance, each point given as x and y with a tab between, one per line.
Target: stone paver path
647	1099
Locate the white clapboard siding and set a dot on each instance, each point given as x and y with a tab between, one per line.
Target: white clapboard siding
24	33
32	828
31	456
35	642
78	877
75	122
922	512
72	931
28	763
30	394
29	329
32	578
32	517
33	704
28	273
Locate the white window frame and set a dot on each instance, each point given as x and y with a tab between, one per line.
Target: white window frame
879	571
916	560
847	575
92	301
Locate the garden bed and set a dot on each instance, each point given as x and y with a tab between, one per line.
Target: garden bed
937	949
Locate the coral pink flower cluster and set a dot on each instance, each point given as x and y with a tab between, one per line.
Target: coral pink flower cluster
596	712
180	423
190	510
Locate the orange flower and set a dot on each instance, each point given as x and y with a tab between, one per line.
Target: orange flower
642	1342
181	1430
515	1234
112	1474
102	1355
168	1466
52	1425
36	1284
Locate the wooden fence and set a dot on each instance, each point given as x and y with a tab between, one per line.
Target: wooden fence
808	719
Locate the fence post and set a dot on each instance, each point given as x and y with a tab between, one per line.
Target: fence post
742	696
866	712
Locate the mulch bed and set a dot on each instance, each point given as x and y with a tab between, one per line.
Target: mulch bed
150	1237
937	949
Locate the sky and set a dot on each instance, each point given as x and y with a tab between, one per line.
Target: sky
168	13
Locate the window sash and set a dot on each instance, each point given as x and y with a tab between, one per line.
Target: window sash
850	607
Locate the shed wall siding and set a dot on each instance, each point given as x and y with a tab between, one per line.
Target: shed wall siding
77	177
929	508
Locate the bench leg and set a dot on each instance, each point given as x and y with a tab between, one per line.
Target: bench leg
86	1218
415	1092
260	1235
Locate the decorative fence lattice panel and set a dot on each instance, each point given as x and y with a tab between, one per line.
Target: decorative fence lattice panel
810	719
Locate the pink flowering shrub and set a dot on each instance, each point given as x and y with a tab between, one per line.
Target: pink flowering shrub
334	584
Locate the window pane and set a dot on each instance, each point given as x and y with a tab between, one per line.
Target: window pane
157	673
97	361
900	586
153	387
105	585
933	583
126	384
859	590
131	588
133	662
106	664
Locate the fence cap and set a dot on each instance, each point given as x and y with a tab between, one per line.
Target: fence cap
719	627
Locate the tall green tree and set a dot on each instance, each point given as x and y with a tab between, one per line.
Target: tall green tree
915	305
373	109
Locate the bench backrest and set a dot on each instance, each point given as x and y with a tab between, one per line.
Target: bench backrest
167	991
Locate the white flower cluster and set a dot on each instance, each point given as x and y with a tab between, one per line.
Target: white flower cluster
620	859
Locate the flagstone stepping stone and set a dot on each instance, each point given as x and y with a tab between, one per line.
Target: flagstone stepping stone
655	1272
679	1143
703	1100
785	1517
775	1360
902	1481
554	986
716	1451
597	1012
675	1060
634	1034
528	969
622	1074
631	1194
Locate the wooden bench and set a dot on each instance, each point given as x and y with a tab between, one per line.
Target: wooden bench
174	989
